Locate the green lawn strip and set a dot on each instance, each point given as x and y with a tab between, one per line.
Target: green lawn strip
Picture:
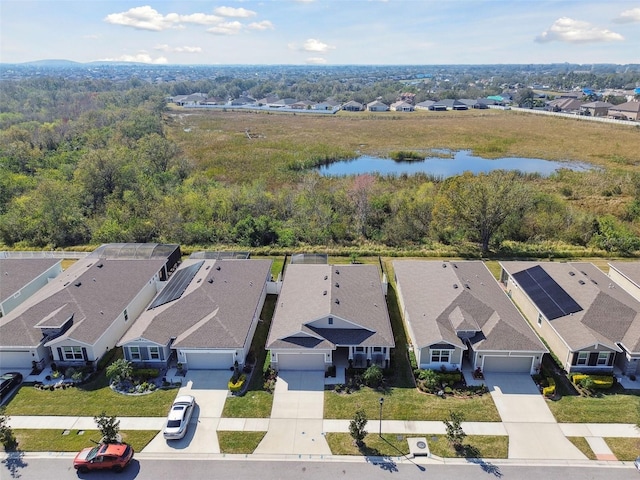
50	440
625	449
90	400
239	442
408	404
582	445
394	445
256	402
617	408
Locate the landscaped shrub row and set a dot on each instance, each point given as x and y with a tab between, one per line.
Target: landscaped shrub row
144	374
445	383
236	383
599	382
550	389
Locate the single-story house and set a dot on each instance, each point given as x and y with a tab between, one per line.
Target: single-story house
457	316
204	317
377	106
401	106
353	106
590	323
564	105
595	109
22	277
626	111
452	104
626	275
242	100
424	105
326	105
302	105
81	314
326	311
190	100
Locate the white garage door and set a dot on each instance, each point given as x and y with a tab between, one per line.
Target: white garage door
507	364
209	360
299	361
15	360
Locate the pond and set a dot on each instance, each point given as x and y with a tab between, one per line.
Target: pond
444	164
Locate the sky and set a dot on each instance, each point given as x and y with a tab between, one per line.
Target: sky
322	32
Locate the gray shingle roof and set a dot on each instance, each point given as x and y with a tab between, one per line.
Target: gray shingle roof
609	315
216	314
440	296
16	273
106	287
630	270
352	293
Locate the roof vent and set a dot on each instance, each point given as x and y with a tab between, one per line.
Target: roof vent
581	282
466	285
337	301
572	273
218	267
583	272
208	267
199	280
337	272
210	280
77	284
337	285
324	293
100	265
444	265
455	285
326	276
594	282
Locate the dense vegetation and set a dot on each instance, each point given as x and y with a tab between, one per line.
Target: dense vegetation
92	161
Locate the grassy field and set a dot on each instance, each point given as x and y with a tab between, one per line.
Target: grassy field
34	440
285	140
392	445
617	408
90	400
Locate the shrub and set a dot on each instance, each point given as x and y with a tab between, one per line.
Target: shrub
119	370
549	391
357	426
590	382
412	359
373	376
145	374
235	384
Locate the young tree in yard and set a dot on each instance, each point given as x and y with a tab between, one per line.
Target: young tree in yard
357	427
7	438
373	376
109	428
455	434
119	370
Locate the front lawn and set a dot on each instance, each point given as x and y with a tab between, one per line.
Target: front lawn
582	445
616	408
393	445
90	400
626	449
49	440
239	442
408	404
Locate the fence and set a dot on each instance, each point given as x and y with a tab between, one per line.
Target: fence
577	117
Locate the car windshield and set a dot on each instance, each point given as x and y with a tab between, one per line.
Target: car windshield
173	423
93	453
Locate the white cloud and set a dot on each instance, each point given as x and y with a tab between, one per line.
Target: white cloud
314	45
234	12
229	28
140	57
576	31
147	18
263	25
185	49
91	37
629	16
316	61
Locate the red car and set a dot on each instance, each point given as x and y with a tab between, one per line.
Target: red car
107	456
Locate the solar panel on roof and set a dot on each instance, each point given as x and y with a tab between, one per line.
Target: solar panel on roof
177	284
552	300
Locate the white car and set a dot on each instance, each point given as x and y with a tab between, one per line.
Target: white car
179	416
637	463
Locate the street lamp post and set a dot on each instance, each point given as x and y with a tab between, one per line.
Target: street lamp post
381	403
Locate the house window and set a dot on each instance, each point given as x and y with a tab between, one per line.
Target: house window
330	320
539	319
582	358
440	356
72	353
126	315
134	352
359	349
377	349
603	358
154	353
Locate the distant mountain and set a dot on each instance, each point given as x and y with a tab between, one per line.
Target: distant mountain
52	63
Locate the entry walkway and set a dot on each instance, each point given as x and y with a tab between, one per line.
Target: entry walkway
296	424
532	429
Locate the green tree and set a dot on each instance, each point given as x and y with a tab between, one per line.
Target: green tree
357	427
7	437
119	370
482	204
455	434
373	376
109	428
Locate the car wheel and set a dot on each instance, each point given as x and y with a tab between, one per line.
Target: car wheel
117	468
83	469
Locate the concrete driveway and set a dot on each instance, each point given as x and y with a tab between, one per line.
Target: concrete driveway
296	421
209	387
532	428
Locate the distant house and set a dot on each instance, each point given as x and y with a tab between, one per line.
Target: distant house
590	323
326	312
452	104
23	277
282	102
353	106
472	103
424	105
377	106
190	100
564	105
214	101
81	314
401	106
626	111
243	100
595	109
204	317
326	105
457	316
302	105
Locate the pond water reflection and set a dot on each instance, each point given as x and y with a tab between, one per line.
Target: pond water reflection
443	165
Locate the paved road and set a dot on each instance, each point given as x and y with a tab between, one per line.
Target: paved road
33	467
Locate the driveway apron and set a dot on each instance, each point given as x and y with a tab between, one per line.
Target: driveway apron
296	420
209	387
532	429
